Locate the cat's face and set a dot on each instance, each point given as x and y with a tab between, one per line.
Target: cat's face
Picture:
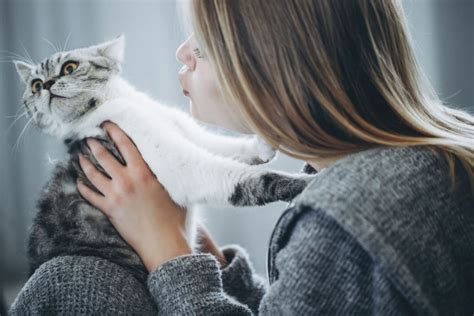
67	85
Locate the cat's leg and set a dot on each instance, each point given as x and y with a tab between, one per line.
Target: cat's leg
192	175
247	149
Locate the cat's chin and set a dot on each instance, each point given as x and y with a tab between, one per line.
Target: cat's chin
50	128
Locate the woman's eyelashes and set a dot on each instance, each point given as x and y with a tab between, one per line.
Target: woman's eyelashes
197	53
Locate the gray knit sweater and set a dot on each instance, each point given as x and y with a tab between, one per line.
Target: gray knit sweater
379	232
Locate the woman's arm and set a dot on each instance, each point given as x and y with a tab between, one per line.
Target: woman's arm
321	270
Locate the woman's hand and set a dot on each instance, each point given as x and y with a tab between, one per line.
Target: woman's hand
137	204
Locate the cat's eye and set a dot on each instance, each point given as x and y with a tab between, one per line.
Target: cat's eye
69	67
36	85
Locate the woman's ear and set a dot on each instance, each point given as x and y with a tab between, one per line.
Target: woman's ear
23	69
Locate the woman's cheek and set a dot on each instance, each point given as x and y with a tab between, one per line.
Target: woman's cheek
207	101
203	104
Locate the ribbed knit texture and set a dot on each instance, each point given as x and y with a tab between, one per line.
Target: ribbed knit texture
379	232
73	285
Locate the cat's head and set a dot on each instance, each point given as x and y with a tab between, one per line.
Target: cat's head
67	85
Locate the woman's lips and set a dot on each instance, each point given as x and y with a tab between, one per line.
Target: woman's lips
185	92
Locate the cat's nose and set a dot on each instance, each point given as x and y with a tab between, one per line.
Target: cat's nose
48	84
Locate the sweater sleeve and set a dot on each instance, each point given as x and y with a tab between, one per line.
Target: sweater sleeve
235	289
82	285
321	270
192	284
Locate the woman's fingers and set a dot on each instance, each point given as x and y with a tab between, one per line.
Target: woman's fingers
97	178
125	145
91	196
104	157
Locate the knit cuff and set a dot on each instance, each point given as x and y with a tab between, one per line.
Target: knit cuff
239	278
184	280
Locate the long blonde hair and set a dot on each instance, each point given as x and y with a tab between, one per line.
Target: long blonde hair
328	77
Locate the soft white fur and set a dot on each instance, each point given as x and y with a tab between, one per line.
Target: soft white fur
194	164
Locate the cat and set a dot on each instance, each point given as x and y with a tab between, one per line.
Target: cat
69	95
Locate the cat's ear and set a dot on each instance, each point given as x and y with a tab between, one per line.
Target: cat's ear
114	49
23	69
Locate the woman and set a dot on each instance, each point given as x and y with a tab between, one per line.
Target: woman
386	228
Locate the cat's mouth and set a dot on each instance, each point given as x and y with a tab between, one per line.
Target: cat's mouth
51	96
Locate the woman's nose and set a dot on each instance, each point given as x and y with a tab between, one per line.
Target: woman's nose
184	55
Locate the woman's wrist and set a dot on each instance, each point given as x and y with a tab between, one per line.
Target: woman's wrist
172	244
208	245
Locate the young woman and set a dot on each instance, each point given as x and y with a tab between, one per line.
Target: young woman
386	228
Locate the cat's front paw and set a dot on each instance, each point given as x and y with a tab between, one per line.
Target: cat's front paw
256	152
265	151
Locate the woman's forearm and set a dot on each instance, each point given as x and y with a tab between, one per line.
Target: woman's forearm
173	244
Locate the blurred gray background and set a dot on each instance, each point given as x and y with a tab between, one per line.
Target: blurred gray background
443	31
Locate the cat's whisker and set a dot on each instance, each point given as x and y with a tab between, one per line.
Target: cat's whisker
17	143
8	61
58	45
67	40
27	54
16	113
50	44
12	53
13	57
19	117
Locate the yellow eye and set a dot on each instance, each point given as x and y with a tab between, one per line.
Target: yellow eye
69	67
37	85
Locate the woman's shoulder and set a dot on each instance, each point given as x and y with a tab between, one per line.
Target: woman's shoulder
386	177
397	204
386	194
